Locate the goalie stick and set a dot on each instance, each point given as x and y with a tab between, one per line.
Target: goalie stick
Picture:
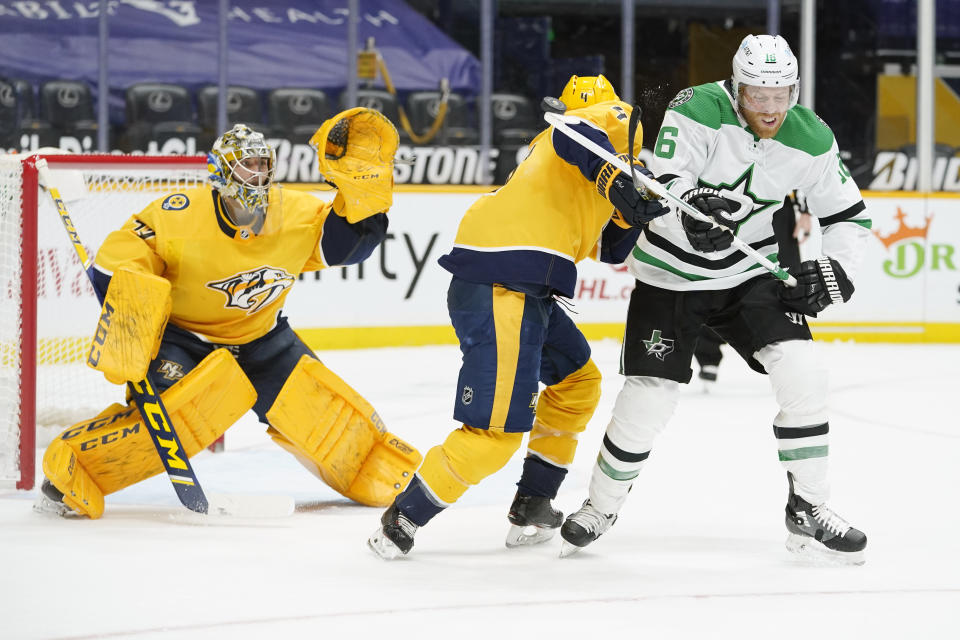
561	123
157	420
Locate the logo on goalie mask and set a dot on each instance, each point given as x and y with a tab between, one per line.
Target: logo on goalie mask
253	290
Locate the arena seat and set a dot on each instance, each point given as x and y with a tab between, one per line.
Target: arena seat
243	107
68	106
296	113
18	110
515	119
158	112
457	128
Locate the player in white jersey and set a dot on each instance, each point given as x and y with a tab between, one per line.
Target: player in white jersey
734	149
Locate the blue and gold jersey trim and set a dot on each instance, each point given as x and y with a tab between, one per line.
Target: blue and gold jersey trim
523	269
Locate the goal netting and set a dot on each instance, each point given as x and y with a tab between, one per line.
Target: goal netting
49	311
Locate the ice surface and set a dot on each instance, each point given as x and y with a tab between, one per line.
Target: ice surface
697	552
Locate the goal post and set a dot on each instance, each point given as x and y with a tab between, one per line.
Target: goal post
48	310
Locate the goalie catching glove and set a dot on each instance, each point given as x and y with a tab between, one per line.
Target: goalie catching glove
820	283
355	152
636	207
704	236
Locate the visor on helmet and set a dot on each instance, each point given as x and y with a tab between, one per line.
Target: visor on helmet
765	62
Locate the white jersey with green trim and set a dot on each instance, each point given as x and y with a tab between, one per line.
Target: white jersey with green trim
703	141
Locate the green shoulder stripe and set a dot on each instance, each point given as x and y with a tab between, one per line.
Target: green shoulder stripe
805	131
707	104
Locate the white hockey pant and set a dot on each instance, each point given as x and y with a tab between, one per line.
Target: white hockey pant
799	381
642	410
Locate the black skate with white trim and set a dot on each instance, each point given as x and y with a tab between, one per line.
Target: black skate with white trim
820	534
583	527
532	520
394	538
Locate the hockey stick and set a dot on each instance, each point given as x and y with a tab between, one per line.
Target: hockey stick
147	400
561	122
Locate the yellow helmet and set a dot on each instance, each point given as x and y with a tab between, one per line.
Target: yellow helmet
583	91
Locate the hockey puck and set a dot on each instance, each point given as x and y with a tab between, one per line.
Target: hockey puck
552	105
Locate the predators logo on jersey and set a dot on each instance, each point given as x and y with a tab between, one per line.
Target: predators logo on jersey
253	290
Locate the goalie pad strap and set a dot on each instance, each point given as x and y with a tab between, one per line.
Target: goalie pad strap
134	313
337	435
97	457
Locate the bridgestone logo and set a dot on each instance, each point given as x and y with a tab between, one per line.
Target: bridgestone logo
830	280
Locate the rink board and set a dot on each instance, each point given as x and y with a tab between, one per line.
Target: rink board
908	287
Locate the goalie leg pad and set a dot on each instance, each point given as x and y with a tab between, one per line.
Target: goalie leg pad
563	411
114	450
134	313
334	432
80	492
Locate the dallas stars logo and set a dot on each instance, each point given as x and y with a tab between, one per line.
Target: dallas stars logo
742	186
657	346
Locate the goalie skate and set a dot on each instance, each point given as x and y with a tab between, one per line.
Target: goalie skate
532	520
583	527
50	501
820	535
394	538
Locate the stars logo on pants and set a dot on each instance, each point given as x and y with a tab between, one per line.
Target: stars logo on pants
657	346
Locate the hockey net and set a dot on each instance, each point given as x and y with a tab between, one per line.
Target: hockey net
49	310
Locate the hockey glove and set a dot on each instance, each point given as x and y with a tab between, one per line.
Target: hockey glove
702	235
820	282
636	208
355	154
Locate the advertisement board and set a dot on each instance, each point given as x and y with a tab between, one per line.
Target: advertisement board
907	286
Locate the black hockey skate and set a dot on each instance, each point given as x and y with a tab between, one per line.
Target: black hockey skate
820	534
532	520
583	527
394	538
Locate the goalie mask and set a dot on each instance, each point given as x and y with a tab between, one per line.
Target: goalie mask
766	61
583	91
241	166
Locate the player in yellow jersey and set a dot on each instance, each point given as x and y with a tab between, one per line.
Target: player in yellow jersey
514	255
201	275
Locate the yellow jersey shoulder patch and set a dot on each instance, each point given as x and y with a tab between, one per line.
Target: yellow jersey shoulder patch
175	202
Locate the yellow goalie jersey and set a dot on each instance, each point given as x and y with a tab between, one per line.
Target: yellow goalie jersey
530	233
229	282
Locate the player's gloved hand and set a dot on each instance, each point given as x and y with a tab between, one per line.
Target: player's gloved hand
636	208
702	235
820	282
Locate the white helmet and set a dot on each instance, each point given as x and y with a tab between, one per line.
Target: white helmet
766	61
